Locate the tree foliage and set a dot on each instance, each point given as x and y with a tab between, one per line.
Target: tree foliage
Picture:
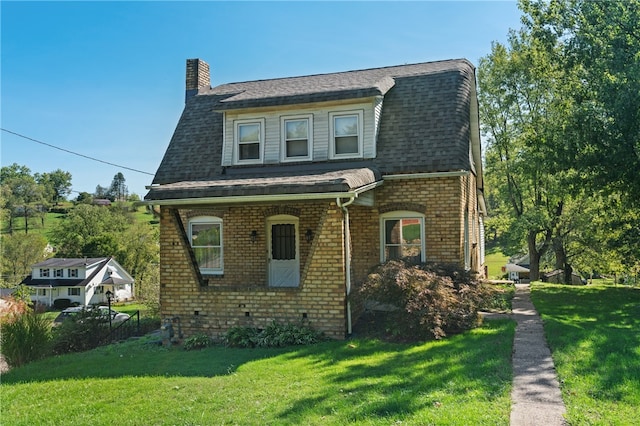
56	185
560	107
19	252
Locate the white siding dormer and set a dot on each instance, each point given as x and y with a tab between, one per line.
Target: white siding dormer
371	149
319	121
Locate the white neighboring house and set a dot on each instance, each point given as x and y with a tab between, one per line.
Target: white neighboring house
83	281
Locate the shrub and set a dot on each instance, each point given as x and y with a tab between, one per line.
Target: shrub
273	336
241	337
25	337
199	341
87	330
495	297
148	324
423	301
61	303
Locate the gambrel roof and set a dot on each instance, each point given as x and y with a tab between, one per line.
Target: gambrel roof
428	124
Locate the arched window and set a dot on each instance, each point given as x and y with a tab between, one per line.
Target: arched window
402	236
205	235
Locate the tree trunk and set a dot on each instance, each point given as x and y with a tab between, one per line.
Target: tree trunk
534	258
535	253
568	274
26	220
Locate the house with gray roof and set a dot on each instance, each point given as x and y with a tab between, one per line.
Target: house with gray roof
82	281
278	196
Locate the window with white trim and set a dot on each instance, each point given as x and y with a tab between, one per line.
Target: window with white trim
297	138
73	291
73	273
346	134
249	141
205	235
44	272
402	236
58	273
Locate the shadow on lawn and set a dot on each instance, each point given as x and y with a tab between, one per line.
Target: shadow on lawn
380	378
408	378
602	322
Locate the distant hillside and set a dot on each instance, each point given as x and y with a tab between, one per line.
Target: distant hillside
43	224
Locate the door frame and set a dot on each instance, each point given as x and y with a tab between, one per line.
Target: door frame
294	264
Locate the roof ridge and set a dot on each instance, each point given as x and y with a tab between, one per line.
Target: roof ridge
295	77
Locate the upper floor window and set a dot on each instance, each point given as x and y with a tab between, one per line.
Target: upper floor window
296	138
205	234
249	141
73	273
58	273
346	134
44	272
402	236
73	291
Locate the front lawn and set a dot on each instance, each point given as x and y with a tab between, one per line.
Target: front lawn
461	380
594	335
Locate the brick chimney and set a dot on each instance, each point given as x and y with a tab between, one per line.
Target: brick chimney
197	77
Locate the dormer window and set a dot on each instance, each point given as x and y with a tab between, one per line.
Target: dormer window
73	273
346	134
58	273
249	140
44	272
296	138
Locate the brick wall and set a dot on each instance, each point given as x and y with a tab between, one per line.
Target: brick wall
242	295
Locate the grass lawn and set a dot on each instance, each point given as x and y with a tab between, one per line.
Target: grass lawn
462	380
594	335
495	260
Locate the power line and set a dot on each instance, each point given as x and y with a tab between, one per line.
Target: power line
75	153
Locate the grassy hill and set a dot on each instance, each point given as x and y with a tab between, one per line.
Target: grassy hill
495	260
44	224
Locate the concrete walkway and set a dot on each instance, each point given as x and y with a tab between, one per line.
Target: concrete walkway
536	398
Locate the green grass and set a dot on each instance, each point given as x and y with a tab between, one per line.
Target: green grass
462	380
495	260
140	215
594	335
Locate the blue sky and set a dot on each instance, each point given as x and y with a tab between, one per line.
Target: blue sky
106	79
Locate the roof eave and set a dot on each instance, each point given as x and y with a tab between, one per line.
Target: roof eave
307	196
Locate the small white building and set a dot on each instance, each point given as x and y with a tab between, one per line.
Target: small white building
83	281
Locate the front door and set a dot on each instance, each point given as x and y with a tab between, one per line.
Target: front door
284	259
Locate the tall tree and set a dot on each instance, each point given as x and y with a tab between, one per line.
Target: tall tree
601	40
522	119
600	45
10	177
118	190
19	253
57	185
90	231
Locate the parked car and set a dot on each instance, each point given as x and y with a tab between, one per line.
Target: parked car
73	312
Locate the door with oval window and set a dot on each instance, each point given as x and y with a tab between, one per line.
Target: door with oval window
284	258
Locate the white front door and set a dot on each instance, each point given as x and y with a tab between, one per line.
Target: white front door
284	259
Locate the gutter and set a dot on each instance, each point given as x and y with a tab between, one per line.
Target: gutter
427	175
347	259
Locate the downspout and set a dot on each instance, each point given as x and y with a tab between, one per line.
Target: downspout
347	259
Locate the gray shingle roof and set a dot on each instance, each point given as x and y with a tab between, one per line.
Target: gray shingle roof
277	180
55	262
424	127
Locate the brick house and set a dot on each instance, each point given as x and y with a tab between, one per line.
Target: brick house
278	196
